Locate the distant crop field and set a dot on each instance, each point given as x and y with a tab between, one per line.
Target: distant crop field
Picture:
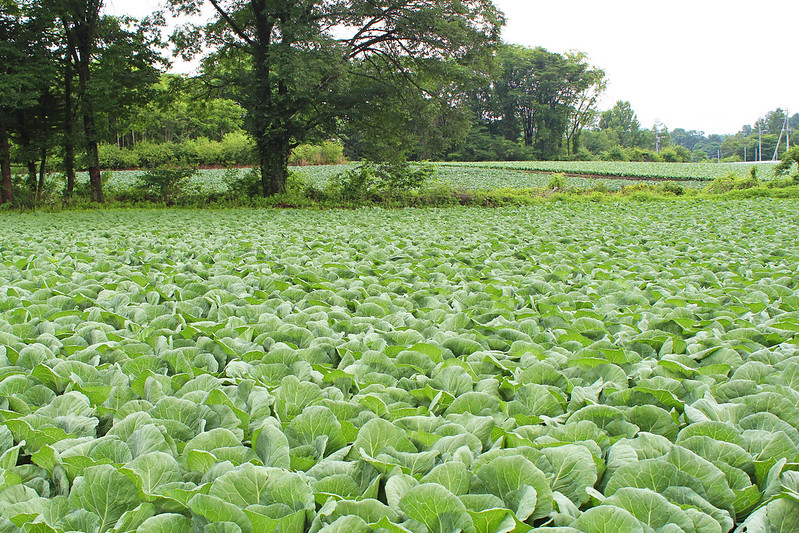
494	175
672	171
565	368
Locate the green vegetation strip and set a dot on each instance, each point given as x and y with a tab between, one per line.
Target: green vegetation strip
675	171
565	368
459	175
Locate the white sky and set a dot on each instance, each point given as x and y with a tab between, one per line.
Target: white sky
709	65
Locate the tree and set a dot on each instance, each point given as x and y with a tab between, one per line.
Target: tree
178	109
584	111
26	75
546	96
81	23
622	119
291	63
114	63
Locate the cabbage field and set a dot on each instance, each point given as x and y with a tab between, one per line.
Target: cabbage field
638	169
585	367
492	175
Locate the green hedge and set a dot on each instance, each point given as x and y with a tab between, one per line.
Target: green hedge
235	149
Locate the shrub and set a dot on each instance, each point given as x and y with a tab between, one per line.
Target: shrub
673	188
115	158
202	151
581	155
557	182
152	155
166	183
788	162
731	182
615	153
640	154
237	148
370	181
243	186
327	153
675	154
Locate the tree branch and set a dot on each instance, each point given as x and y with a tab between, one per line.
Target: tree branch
232	23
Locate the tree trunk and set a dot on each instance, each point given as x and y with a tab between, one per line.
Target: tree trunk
81	37
274	160
93	155
69	124
7	191
272	143
90	130
26	152
42	174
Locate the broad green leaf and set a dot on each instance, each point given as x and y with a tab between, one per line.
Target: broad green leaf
649	508
607	519
574	468
105	492
523	487
166	523
377	434
437	508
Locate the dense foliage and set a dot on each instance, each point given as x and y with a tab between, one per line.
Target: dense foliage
578	367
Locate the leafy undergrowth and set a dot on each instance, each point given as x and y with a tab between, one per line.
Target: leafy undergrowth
564	368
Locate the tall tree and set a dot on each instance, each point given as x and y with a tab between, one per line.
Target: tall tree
622	119
81	22
584	112
25	78
115	60
539	91
290	63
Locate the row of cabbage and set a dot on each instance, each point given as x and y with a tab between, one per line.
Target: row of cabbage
674	171
489	177
561	369
475	176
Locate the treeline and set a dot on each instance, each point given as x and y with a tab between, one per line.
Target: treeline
761	141
67	73
81	90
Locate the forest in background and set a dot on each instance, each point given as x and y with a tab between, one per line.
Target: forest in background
85	91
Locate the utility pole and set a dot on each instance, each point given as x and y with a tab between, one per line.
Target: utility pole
787	130
759	141
785	126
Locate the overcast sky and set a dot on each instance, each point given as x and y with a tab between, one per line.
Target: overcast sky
709	65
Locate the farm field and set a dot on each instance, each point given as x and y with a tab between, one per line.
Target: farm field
674	171
494	175
566	368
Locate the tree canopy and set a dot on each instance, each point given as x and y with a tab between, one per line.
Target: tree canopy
293	65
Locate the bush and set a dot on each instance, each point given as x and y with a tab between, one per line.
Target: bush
557	182
237	148
581	155
615	153
675	154
243	186
202	151
788	162
673	188
152	155
731	182
327	153
371	181
112	157
639	154
166	183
